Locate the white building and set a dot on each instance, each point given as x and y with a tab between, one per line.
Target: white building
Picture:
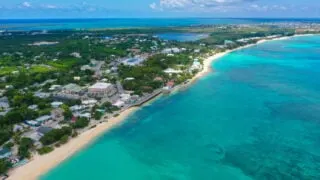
196	65
172	71
56	104
101	89
119	104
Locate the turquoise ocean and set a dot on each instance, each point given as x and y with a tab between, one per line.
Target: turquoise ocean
256	116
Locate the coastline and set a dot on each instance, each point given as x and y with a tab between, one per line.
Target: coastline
40	165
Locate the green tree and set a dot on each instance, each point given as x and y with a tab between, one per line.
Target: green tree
5	134
98	115
4	166
55	135
45	150
24	147
81	123
66	112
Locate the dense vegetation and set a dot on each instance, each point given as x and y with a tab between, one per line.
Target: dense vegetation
55	135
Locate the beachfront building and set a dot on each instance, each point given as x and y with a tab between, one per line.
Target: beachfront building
5	153
196	65
102	90
119	104
168	87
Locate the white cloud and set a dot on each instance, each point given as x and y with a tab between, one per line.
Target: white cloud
215	6
50	6
153	5
196	4
26	4
257	7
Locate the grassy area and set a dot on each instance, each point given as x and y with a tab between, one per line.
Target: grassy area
7	70
64	64
41	69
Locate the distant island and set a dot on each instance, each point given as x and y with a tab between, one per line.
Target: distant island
62	88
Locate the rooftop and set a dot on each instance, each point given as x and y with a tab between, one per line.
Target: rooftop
44	130
72	87
100	85
4	151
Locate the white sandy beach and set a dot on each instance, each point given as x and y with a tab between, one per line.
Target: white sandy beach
42	164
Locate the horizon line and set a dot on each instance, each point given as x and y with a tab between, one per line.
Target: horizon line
73	18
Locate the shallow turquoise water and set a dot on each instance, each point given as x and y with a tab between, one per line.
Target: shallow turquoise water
256	117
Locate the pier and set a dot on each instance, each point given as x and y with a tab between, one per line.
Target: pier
147	98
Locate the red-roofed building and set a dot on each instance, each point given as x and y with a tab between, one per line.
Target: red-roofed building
170	84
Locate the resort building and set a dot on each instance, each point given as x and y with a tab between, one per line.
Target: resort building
196	65
102	89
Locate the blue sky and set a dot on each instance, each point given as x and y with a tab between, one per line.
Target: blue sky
157	8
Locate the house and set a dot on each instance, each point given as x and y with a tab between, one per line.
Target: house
5	153
55	87
33	107
57	114
32	123
77	108
4	103
43	130
43	119
170	84
102	89
56	104
17	128
42	95
83	115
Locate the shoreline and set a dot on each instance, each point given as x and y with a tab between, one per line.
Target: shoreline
39	165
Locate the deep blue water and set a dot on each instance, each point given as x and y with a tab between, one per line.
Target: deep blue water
54	24
256	117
